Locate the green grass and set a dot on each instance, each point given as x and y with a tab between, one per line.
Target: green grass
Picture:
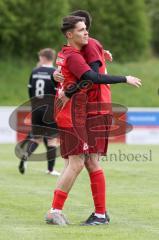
15	74
14	80
147	95
132	199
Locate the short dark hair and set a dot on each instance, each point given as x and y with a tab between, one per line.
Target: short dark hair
48	53
85	14
70	22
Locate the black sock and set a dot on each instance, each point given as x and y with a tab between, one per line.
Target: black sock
51	157
23	143
31	147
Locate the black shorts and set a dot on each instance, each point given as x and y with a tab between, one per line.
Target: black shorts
43	124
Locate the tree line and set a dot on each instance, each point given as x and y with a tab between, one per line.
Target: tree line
129	29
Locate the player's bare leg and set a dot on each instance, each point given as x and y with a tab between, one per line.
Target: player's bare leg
73	167
66	161
92	163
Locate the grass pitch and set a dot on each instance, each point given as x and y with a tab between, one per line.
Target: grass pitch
15	74
132	198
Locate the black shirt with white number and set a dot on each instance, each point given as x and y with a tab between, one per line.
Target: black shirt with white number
42	91
41	82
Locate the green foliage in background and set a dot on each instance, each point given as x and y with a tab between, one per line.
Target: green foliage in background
121	26
153	12
26	25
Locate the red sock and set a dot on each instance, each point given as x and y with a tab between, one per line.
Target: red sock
59	199
98	187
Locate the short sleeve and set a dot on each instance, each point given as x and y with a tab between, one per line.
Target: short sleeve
92	51
77	65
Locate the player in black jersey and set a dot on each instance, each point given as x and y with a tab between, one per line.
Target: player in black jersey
42	90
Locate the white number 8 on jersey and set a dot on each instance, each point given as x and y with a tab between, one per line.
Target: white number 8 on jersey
39	88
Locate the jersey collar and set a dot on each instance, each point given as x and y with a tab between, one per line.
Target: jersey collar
48	66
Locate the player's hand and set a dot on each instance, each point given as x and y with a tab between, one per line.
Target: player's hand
58	76
62	99
61	94
108	56
133	81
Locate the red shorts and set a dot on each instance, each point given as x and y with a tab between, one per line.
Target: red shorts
90	138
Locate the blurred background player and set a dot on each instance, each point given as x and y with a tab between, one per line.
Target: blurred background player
42	90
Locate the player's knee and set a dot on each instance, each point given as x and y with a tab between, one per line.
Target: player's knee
80	165
77	165
92	166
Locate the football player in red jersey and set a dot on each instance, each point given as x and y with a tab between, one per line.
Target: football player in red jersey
95	56
74	68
